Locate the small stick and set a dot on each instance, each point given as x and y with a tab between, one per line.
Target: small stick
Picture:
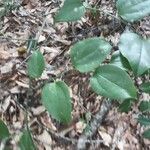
94	125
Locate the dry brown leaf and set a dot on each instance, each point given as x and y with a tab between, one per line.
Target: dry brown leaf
5	104
41	38
15	90
37	110
4	54
45	138
80	126
106	138
7	68
22	84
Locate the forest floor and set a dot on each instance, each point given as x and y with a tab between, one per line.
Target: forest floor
117	130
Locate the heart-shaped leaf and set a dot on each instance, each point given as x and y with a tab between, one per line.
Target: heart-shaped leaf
144	106
87	55
144	120
26	141
113	82
36	64
56	99
72	10
133	10
145	87
136	50
4	132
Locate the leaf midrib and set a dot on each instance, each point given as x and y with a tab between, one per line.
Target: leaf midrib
113	84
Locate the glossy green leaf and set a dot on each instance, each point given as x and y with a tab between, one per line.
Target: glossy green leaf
146	134
125	106
113	82
133	10
4	132
56	99
145	87
136	50
144	120
72	10
36	64
144	106
87	55
26	141
118	60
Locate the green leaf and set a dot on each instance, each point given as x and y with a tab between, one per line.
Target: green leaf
87	55
113	82
144	120
145	87
133	10
4	132
72	10
26	141
136	50
144	106
125	106
118	60
36	64
56	99
146	134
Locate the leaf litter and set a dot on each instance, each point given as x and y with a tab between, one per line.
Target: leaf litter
118	130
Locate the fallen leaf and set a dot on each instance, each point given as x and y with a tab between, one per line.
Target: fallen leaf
80	126
106	138
45	138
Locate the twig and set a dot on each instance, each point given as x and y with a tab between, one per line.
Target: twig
57	136
43	25
24	61
95	123
66	140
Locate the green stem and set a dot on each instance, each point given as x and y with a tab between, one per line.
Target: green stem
104	12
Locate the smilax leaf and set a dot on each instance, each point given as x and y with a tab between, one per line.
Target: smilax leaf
4	133
118	60
26	141
132	10
125	105
72	10
145	87
144	120
113	82
56	99
144	106
36	64
87	55
136	50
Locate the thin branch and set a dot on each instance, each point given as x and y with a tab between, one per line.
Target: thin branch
57	136
43	25
94	125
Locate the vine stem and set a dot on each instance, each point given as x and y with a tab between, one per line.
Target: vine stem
104	12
